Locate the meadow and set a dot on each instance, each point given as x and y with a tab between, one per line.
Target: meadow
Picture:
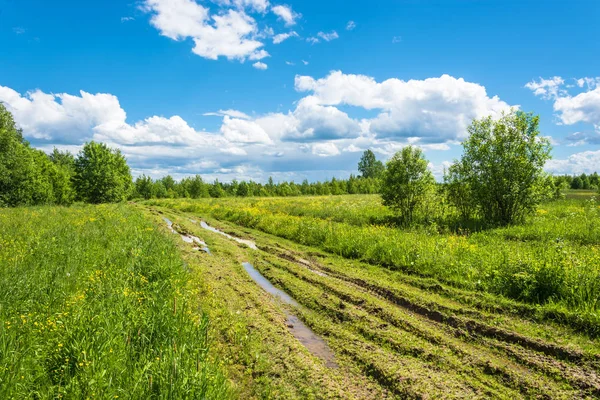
110	301
94	304
551	262
394	333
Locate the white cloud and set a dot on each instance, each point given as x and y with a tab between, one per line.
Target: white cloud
304	62
289	63
350	25
62	116
313	40
284	36
286	14
434	109
230	34
18	30
326	149
259	55
319	134
255	5
547	88
583	107
260	65
243	131
127	19
230	113
328	36
578	163
396	39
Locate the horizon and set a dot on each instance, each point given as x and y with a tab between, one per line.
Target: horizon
248	89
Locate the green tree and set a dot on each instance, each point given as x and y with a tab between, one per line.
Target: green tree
144	187
101	174
243	190
25	173
503	164
407	182
369	166
458	190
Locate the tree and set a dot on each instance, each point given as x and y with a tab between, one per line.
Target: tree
144	187
503	164
369	166
25	173
406	183
458	190
101	174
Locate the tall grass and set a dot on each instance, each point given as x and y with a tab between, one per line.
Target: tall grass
553	258
92	305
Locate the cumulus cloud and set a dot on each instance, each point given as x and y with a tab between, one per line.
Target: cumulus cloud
578	163
260	65
231	34
321	133
350	25
583	107
283	36
434	109
254	5
286	14
327	149
243	131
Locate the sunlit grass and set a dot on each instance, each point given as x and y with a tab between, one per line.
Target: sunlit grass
93	305
552	260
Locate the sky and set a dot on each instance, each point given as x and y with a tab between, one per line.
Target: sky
247	89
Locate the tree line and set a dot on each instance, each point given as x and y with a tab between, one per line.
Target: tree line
499	179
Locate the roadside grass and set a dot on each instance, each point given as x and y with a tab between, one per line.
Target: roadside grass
551	262
93	304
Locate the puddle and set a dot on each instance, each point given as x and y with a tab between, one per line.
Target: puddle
246	242
268	286
191	239
301	332
169	224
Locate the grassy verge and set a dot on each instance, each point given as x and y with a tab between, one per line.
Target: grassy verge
93	304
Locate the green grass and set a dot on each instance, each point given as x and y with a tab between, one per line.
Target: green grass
94	304
551	261
394	334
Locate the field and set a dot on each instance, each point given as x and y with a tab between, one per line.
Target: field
420	313
94	303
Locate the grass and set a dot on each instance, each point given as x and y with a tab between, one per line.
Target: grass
394	334
94	304
551	262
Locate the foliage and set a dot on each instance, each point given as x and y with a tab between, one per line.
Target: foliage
27	176
502	167
407	183
369	166
101	174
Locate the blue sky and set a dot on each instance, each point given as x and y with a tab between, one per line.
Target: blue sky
249	89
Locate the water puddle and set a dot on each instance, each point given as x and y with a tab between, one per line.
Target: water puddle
299	330
246	242
268	286
188	238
